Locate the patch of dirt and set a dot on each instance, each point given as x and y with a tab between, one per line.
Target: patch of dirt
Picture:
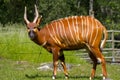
49	66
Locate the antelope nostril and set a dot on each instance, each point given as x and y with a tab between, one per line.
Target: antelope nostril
31	34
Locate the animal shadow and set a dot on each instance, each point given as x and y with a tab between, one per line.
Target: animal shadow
61	77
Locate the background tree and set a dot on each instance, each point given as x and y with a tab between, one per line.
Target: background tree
107	11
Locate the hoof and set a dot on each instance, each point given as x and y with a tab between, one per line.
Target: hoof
66	77
90	78
106	78
53	77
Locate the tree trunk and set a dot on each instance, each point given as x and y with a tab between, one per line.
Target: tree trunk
91	12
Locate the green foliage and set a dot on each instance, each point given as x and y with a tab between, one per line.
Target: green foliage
107	11
52	10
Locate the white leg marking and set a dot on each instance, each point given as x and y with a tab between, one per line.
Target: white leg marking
90	78
99	60
66	77
53	77
104	78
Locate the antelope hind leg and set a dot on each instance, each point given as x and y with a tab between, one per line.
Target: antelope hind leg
101	59
94	65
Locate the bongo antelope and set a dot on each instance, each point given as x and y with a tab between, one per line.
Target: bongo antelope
70	33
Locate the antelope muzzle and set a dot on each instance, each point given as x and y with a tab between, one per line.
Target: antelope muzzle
32	34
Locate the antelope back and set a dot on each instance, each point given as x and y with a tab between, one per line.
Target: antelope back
73	31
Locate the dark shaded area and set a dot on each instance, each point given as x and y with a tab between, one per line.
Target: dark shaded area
61	77
117	44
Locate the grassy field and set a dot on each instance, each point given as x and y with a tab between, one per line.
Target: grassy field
15	46
13	70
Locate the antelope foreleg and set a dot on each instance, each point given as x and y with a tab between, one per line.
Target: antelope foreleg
55	63
62	59
56	53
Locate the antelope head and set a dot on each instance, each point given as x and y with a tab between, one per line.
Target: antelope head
32	26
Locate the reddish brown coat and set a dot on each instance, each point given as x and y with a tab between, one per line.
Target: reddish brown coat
70	33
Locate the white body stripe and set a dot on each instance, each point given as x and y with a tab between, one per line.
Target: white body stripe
87	30
95	34
51	34
77	31
57	31
55	37
70	31
74	30
64	32
90	41
60	30
74	25
82	28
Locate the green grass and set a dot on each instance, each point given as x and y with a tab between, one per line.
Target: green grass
16	46
14	70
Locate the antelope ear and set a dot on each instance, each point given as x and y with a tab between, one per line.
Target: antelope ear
39	20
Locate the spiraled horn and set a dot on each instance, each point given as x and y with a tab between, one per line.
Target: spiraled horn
25	16
36	15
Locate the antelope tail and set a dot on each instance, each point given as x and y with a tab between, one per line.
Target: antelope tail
105	38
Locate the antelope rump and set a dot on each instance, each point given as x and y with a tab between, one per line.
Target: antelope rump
70	33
